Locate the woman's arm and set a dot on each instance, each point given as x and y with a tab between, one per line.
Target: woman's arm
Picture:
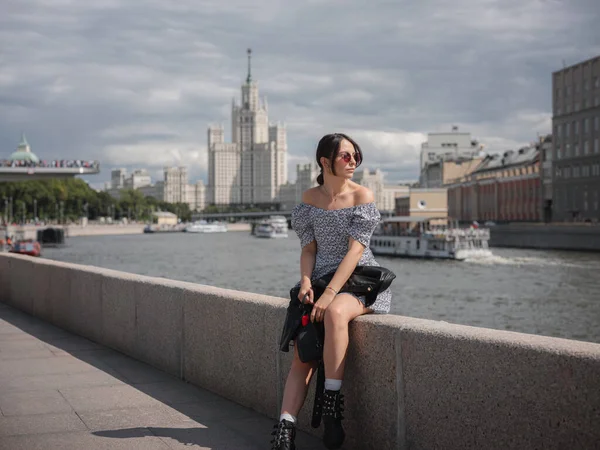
307	264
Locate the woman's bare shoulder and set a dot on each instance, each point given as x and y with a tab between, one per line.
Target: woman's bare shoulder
363	195
310	195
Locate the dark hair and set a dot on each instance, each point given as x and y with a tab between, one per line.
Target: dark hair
329	147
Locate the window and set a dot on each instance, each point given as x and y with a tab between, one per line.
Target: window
586	147
586	125
596	82
585	171
567	172
596	146
557	130
575	128
558	153
567	129
585	200
576	149
576	172
567	150
596	123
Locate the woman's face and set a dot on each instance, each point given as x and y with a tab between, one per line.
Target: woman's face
345	161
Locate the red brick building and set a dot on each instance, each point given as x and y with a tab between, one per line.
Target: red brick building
504	188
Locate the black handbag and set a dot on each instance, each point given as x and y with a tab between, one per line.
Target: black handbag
310	338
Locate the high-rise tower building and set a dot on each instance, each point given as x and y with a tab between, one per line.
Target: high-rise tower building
253	166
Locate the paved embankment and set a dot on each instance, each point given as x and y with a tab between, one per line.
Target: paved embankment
59	391
410	384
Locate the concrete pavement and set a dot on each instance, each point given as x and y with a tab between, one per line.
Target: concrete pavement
61	391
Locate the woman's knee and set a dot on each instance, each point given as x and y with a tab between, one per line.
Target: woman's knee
337	314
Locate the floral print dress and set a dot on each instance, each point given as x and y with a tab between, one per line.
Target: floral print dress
331	229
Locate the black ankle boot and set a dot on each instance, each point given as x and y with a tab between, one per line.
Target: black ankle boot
333	407
284	436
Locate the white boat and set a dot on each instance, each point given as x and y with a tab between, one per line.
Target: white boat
429	237
202	226
274	227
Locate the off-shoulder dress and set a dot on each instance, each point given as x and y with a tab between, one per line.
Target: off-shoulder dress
331	229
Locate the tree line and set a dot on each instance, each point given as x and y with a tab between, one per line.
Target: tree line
68	200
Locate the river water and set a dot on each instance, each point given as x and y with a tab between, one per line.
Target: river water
552	293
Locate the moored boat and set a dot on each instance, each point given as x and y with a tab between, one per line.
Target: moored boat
274	227
429	237
26	247
202	226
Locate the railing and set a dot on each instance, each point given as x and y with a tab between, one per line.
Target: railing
55	164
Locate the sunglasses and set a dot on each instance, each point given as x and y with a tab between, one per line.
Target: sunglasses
346	157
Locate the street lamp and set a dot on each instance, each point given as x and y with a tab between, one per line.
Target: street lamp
35	210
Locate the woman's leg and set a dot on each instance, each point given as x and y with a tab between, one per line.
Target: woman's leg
296	385
338	315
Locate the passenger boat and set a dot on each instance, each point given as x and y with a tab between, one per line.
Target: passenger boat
274	227
429	237
202	226
27	247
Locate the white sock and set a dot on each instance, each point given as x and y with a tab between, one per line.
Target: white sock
287	416
333	385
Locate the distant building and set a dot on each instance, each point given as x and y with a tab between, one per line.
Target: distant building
576	138
176	182
290	194
389	196
439	173
117	178
422	202
139	178
504	187
448	147
164	218
250	169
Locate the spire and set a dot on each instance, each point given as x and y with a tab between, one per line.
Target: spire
249	79
24	144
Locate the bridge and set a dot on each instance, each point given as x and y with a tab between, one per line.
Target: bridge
95	358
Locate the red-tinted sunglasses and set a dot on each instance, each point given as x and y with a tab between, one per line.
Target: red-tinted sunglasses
346	157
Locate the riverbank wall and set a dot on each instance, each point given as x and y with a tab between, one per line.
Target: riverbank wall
410	383
30	232
584	237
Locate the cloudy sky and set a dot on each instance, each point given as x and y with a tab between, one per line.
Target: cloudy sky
135	83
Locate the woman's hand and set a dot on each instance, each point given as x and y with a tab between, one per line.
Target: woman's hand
318	311
306	290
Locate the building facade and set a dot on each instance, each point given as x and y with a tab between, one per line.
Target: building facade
138	178
175	184
253	166
421	202
447	147
504	188
576	138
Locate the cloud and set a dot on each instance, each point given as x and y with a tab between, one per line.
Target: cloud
137	82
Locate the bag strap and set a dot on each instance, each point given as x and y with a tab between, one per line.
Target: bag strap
319	390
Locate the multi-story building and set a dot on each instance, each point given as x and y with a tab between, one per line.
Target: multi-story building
196	196
253	166
576	138
504	187
439	173
175	184
138	178
117	178
290	194
156	191
422	202
447	147
390	194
